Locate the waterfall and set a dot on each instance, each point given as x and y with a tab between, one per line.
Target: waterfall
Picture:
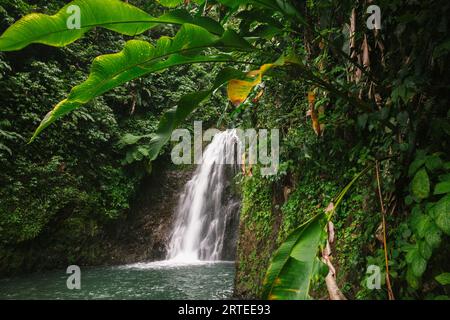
206	216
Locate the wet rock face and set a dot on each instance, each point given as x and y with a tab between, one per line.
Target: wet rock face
233	201
231	230
145	233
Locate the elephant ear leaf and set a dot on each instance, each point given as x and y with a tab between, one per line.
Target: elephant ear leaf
292	268
80	16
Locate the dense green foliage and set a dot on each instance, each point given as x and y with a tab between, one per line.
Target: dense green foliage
61	194
406	83
71	185
352	98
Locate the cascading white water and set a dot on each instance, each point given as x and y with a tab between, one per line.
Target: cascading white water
206	214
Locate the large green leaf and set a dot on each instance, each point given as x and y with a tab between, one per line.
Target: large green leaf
290	272
114	15
140	58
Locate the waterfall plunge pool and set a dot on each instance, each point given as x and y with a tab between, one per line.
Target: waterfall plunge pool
168	280
204	233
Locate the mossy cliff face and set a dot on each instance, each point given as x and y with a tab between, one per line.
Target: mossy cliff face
260	220
273	208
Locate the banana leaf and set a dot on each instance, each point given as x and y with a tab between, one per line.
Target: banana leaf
114	15
290	272
139	58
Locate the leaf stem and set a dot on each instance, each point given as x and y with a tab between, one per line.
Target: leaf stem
383	214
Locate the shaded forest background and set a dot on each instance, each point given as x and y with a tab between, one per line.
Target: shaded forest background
64	197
